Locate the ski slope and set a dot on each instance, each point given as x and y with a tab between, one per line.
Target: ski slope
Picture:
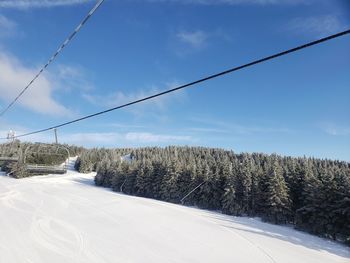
65	218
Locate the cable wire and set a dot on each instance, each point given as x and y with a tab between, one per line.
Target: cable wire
258	61
62	46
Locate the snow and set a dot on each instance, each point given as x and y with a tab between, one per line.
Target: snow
127	158
65	218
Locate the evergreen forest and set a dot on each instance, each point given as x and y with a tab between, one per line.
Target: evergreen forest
311	194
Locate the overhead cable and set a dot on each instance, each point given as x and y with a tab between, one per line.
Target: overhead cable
62	46
216	75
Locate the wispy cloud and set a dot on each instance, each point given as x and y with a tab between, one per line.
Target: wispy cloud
7	26
196	39
189	41
237	2
96	139
145	137
318	25
23	4
335	129
71	78
93	139
125	126
124	139
208	130
214	126
39	98
120	97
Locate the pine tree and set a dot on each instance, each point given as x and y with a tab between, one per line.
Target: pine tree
229	204
144	180
277	198
103	177
130	171
117	173
169	188
306	216
243	184
202	198
341	208
157	179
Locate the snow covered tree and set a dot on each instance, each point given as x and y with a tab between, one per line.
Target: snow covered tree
276	197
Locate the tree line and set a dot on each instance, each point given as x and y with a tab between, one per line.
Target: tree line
311	194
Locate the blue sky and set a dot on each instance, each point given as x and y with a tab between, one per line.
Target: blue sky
296	105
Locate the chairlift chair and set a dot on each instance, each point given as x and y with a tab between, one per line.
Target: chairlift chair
53	167
7	153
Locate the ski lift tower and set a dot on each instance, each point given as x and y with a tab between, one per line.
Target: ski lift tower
11	135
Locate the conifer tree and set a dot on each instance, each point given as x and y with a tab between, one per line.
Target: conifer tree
169	188
277	198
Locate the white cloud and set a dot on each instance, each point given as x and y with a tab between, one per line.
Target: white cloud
39	98
125	126
145	137
208	130
7	26
129	139
66	71
196	39
335	130
93	139
235	128
71	78
318	25
39	3
99	139
186	42
119	97
238	2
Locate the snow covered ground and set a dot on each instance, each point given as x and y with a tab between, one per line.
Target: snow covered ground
65	218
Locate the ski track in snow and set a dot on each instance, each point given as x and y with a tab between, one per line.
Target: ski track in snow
65	218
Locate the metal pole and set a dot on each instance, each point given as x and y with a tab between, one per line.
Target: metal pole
55	130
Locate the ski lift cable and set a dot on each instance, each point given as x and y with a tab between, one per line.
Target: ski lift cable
216	75
61	47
